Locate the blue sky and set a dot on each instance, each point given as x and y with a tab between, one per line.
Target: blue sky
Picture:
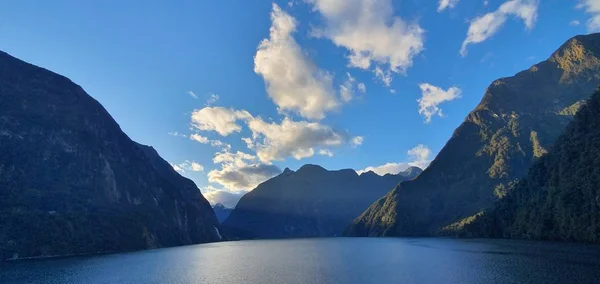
335	83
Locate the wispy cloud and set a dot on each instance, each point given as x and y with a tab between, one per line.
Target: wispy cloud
419	156
192	94
483	27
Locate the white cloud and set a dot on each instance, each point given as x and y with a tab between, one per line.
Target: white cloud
188	166
591	7
192	94
325	152
204	140
574	23
177	134
419	156
199	138
362	88
177	168
384	76
443	4
371	33
213	98
219	119
297	139
357	141
347	89
227	198
240	171
293	81
270	140
483	27
432	97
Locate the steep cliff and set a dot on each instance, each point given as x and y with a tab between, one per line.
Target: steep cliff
72	182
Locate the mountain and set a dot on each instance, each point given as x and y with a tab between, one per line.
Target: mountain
515	123
72	182
311	202
559	199
221	211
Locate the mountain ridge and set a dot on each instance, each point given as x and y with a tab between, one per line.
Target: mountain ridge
517	119
310	202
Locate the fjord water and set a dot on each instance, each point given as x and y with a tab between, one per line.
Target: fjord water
334	260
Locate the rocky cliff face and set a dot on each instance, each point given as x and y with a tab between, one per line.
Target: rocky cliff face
311	202
72	182
515	123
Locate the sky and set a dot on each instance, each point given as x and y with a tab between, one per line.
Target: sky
233	92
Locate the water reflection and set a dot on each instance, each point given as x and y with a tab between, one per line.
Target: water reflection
336	260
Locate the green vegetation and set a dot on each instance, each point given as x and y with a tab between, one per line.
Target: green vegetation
559	199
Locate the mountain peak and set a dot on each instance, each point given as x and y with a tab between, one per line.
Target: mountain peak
311	168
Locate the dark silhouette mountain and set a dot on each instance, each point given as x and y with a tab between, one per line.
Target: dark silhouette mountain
559	199
72	182
311	202
518	118
222	212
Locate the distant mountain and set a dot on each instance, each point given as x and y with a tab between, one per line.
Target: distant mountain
221	211
515	123
72	182
560	197
311	202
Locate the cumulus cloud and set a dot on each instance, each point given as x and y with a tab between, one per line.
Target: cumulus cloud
240	171
219	119
271	140
483	27
432	97
371	33
419	156
298	139
443	4
188	166
591	7
293	81
227	198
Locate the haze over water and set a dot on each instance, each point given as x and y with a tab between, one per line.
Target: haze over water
335	260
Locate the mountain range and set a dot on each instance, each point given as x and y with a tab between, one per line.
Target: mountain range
73	183
517	120
221	212
310	202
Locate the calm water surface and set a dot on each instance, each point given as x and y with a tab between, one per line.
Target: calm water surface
340	260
